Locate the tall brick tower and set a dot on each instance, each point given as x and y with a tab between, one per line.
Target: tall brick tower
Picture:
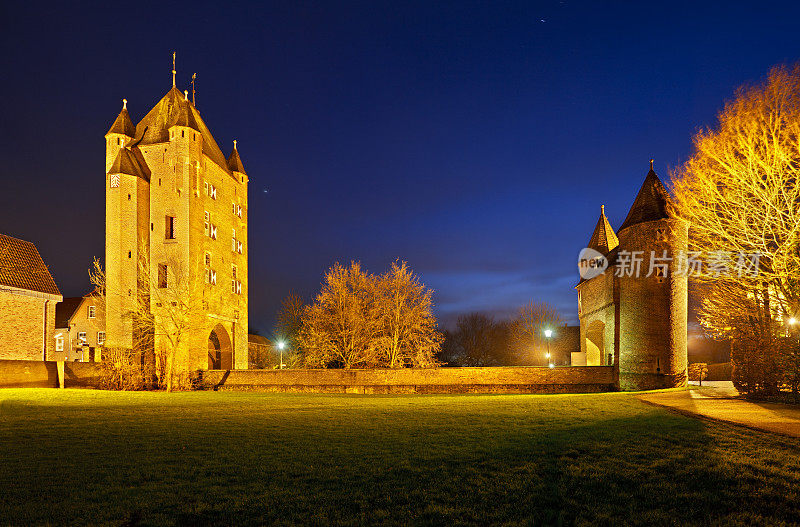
176	228
653	309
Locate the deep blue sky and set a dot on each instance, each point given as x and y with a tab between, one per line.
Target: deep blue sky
477	141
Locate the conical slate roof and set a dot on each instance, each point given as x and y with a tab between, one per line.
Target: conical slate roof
173	109
127	163
123	125
235	162
652	202
603	238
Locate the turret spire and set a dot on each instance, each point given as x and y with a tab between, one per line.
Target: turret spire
124	104
234	144
173	69
651	164
603	210
194	77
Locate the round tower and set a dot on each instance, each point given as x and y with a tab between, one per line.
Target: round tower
652	298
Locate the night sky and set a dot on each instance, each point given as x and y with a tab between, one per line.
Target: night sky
477	141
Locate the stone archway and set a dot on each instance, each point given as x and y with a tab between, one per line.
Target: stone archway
220	350
595	343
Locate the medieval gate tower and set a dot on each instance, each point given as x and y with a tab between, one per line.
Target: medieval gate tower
634	315
176	234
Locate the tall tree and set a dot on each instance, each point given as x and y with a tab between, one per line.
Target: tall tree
528	337
341	328
739	191
405	306
479	340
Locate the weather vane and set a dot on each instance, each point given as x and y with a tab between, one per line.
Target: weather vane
173	69
194	77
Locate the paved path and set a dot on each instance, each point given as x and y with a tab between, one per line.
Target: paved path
719	401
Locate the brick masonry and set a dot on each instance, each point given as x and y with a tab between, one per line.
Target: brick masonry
26	329
421	381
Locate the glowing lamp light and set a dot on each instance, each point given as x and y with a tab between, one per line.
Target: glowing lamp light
552	365
547	354
548	333
281	344
792	321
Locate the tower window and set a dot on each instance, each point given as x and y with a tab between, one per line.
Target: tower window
183	133
208	260
118	141
162	275
129	197
169	228
129	254
91	313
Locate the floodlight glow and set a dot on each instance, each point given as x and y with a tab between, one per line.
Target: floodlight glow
281	344
792	321
548	333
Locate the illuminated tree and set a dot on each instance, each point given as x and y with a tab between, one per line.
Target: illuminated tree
359	320
740	193
408	327
528	328
169	307
342	326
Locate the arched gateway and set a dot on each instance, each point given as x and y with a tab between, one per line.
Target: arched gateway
220	350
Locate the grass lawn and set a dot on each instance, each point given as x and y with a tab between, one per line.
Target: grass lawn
81	456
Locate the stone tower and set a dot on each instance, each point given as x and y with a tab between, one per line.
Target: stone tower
633	316
653	309
127	213
176	229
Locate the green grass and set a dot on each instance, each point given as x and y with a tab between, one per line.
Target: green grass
92	457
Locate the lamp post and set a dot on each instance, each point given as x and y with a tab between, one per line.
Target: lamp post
547	334
281	345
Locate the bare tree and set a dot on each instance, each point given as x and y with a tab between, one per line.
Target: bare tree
480	341
528	328
740	193
171	305
367	321
409	334
341	327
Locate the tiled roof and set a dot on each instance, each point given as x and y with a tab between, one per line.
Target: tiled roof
603	238
123	125
173	109
131	163
21	266
257	339
652	202
65	309
235	162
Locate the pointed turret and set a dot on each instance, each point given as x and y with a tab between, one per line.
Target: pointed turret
235	162
603	239
123	124
127	164
652	202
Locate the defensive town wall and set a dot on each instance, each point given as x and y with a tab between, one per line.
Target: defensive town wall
45	374
587	379
584	379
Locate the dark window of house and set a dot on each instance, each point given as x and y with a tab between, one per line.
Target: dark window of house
162	275
169	231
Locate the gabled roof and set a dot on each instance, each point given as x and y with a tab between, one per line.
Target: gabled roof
258	339
235	162
652	202
173	109
123	125
130	162
603	238
22	267
65	309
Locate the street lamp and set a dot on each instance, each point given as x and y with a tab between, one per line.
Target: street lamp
281	345
547	334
